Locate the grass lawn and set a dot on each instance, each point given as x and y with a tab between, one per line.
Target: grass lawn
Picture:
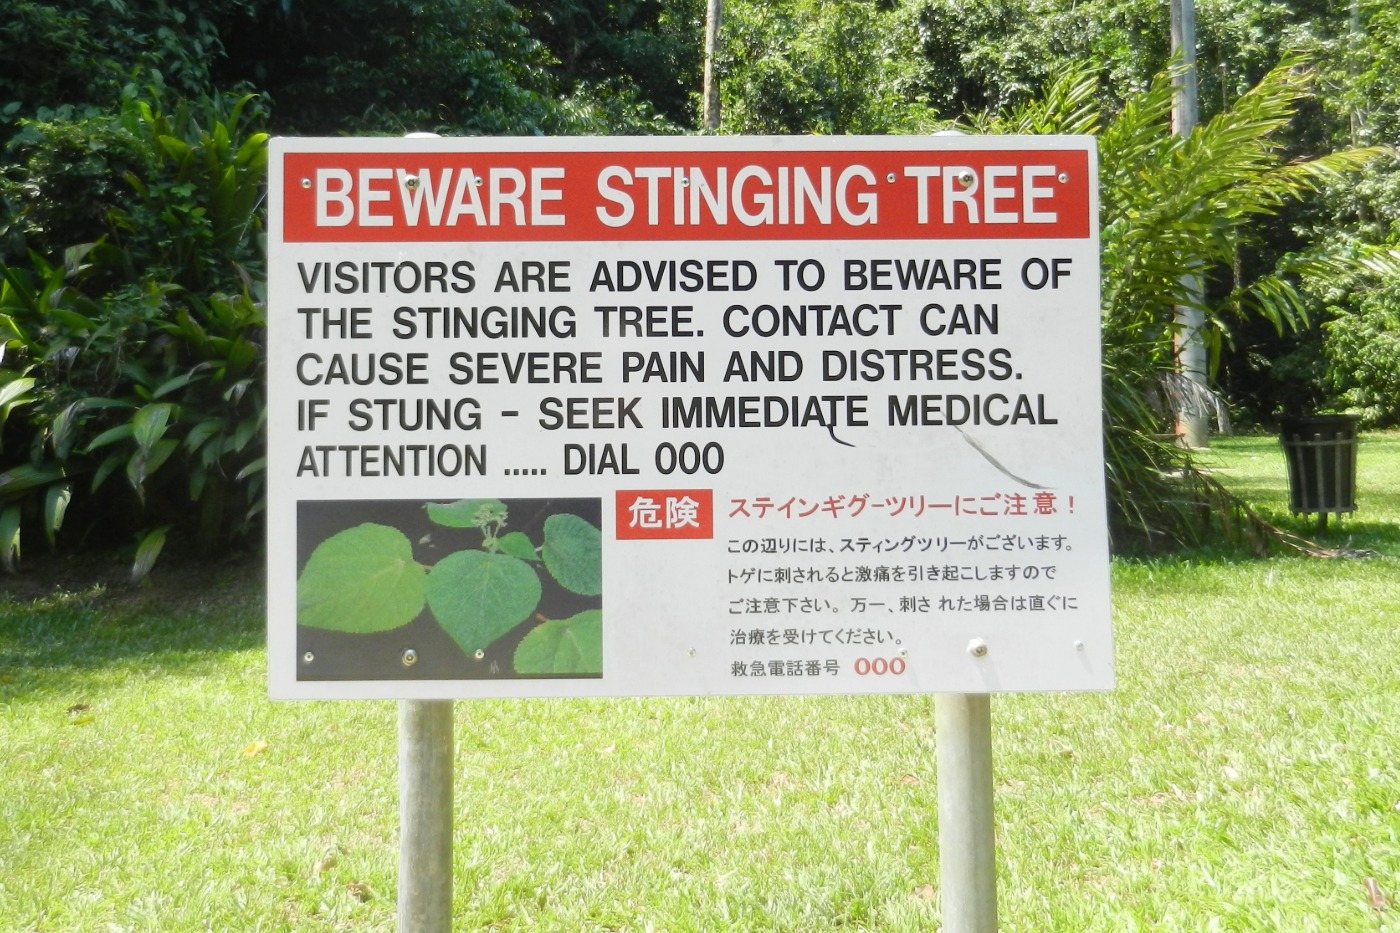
1244	776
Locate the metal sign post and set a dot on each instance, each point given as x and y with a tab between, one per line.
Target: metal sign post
966	833
425	816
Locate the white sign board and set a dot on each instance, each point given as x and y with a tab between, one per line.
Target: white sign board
645	416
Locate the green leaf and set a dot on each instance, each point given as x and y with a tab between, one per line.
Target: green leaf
9	538
56	500
178	150
64	430
573	552
147	551
517	544
563	646
148	424
179	382
119	433
467	513
478	597
143	464
246	430
14	389
202	432
105	469
26	477
256	465
363	579
72	319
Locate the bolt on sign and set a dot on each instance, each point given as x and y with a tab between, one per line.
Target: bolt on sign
604	417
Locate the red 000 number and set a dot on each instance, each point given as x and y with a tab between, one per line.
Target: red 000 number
879	666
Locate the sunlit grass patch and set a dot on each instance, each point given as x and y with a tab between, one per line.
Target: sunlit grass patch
1242	777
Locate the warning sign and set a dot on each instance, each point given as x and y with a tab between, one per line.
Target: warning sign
627	416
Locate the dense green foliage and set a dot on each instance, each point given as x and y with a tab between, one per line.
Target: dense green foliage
643	54
131	315
810	66
393	66
139	353
1170	203
71	58
130	222
930	62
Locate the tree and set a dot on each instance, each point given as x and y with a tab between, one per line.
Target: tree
392	66
75	56
647	51
981	56
1171	202
808	66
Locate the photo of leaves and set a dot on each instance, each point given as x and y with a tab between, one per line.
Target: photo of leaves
449	590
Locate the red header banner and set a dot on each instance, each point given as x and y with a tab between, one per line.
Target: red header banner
673	195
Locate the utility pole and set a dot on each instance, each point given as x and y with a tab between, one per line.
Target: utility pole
714	10
1192	362
1354	36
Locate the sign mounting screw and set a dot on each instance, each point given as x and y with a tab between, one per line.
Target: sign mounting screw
410	657
977	648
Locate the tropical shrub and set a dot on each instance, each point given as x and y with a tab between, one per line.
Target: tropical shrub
62	180
137	358
456	67
1171	204
807	66
1362	355
646	52
74	56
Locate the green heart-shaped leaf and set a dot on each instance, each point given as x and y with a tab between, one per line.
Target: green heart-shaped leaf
573	552
477	597
516	544
466	513
362	579
563	646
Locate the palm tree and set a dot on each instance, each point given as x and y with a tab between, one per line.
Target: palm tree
1168	204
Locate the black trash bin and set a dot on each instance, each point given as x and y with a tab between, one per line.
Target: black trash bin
1321	455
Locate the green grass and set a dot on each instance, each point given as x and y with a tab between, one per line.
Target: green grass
1244	776
1253	468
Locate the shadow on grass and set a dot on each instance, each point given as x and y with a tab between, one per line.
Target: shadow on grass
1253	469
61	625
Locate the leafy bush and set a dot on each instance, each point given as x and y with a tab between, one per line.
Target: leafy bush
464	67
1168	204
648	49
140	353
808	66
80	53
61	182
1362	351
